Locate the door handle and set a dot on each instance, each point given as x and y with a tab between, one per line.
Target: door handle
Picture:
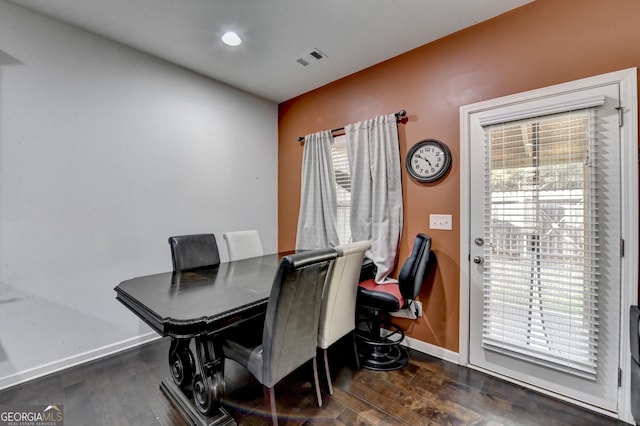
479	260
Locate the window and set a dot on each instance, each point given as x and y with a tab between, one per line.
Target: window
343	188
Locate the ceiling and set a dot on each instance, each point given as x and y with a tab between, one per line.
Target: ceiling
351	34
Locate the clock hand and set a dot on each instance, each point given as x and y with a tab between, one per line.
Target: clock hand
422	158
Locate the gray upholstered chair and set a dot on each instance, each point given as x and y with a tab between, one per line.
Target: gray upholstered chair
635	362
338	312
194	251
290	332
243	244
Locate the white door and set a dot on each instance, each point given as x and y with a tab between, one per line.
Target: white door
545	243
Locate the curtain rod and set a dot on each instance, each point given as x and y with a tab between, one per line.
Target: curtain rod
400	117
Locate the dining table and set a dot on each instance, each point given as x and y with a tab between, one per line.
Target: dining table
194	308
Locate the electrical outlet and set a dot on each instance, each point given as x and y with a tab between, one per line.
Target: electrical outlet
440	221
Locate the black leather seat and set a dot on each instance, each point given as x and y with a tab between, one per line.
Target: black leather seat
189	252
289	335
635	362
375	301
194	251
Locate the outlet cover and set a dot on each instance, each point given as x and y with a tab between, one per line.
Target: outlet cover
440	221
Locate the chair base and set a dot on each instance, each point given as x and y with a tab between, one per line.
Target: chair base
385	358
382	353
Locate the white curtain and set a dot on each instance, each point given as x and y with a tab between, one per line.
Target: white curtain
317	217
376	189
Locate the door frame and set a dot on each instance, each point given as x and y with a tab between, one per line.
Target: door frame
627	79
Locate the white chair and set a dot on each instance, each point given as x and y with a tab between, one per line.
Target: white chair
338	311
243	244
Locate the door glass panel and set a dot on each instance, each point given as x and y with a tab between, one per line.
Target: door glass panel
541	268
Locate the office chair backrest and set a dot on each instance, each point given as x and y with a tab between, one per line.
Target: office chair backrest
337	316
413	272
243	244
290	331
634	329
194	251
635	332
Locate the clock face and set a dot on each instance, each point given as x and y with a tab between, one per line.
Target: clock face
428	160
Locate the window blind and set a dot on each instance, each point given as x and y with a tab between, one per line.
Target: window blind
343	188
540	283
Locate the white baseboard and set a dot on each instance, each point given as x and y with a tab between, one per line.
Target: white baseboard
429	349
52	367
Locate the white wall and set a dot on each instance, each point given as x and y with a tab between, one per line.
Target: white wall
104	153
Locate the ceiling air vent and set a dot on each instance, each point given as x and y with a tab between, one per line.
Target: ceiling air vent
311	57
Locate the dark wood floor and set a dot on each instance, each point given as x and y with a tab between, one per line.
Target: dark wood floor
123	390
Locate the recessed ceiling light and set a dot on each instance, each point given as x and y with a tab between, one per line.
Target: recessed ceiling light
231	39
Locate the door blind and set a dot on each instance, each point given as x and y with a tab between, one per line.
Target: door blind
540	283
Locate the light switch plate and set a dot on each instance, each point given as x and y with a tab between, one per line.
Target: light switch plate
440	221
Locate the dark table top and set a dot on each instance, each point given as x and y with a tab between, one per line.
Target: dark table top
201	301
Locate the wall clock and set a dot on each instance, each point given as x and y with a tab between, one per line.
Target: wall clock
428	160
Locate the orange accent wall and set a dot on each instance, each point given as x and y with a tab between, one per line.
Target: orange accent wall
543	43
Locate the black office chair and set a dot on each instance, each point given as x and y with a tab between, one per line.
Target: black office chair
635	362
376	301
289	336
194	251
189	252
